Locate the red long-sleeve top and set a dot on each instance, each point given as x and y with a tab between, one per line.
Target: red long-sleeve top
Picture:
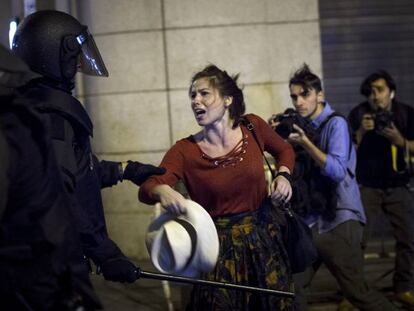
227	185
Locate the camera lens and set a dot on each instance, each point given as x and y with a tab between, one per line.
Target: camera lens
382	120
284	129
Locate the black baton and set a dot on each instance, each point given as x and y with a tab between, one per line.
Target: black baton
180	279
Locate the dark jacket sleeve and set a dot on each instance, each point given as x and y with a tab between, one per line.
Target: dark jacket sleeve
88	209
108	172
84	176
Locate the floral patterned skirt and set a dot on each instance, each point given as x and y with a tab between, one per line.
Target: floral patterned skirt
251	253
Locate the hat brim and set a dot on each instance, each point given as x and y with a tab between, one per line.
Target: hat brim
207	243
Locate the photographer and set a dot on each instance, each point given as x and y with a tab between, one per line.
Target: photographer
338	237
383	171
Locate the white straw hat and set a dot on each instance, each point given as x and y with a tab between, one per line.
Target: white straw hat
184	244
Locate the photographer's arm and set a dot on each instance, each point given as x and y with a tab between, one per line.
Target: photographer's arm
367	124
396	138
335	141
299	137
361	122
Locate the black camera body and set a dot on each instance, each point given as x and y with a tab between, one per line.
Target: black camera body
382	119
286	121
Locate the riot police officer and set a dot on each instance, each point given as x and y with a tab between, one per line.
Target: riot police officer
41	260
55	45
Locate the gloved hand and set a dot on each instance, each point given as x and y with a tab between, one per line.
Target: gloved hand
119	269
138	172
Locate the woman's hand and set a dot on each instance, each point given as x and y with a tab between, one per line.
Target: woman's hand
170	199
281	190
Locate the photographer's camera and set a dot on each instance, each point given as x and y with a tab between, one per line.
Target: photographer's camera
382	119
286	120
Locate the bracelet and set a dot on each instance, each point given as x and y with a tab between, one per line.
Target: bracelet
286	175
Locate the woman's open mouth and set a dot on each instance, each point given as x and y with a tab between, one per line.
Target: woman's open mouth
199	113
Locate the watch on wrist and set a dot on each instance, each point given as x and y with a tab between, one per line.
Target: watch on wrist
286	175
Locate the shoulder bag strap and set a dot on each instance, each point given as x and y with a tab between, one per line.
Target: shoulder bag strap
250	127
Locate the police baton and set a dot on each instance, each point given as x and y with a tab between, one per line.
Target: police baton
180	279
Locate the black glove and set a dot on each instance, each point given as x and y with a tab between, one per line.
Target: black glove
138	172
119	269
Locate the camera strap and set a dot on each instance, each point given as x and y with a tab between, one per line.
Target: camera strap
394	154
407	159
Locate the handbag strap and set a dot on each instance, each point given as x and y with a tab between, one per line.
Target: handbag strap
250	127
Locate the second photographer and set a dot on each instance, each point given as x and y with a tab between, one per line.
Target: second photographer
338	237
384	132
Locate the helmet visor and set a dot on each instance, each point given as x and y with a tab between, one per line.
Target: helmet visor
90	60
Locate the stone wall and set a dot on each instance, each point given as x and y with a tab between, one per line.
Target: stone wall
153	47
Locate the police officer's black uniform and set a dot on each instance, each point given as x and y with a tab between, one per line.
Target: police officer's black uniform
56	45
41	260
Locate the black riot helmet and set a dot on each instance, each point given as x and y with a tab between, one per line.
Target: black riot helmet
56	45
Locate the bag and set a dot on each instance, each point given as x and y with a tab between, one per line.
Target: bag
298	241
314	193
311	191
296	235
